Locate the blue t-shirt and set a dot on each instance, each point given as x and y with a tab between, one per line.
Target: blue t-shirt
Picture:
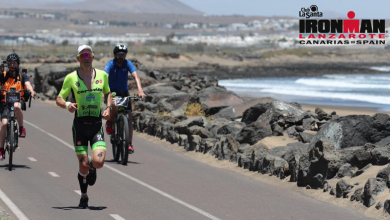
117	76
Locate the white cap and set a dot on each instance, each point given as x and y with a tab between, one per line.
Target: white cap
82	47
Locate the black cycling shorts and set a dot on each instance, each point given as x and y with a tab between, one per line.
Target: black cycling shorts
5	111
83	133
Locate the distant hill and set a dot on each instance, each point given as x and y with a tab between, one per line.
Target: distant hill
129	6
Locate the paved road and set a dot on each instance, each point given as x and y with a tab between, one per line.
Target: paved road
157	183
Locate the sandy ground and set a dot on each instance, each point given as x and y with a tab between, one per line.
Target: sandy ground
344	110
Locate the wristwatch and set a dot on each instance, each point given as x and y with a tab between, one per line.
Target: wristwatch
109	108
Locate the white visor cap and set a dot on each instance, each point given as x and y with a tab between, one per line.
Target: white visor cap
82	47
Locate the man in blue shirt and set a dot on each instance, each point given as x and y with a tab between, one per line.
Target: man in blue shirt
117	70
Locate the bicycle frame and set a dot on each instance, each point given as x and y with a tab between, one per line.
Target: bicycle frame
120	137
12	123
12	119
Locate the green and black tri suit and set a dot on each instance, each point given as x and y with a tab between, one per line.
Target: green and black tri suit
87	124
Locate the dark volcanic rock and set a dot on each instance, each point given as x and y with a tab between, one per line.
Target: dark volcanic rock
214	125
386	208
141	106
372	188
247	159
270	112
381	155
355	130
274	165
379	205
226	148
194	143
182	126
206	144
217	96
364	155
237	111
233	128
343	188
254	132
322	159
201	131
362	170
321	113
345	170
385	174
305	137
357	195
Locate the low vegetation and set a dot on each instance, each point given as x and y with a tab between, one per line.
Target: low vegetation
196	109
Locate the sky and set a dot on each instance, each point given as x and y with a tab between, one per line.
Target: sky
370	9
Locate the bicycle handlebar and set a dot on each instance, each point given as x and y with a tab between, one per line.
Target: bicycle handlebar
23	90
135	97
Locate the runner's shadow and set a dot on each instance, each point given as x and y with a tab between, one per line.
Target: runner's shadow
14	166
94	208
112	161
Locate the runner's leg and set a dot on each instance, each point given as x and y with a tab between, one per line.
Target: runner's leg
83	172
98	148
98	152
81	147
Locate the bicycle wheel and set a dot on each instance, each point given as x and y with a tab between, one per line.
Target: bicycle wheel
11	144
124	139
114	142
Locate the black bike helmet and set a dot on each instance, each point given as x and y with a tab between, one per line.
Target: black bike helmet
13	57
120	48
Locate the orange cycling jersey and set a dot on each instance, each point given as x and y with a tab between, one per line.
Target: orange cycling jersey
9	82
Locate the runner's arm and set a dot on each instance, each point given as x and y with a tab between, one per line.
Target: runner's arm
61	102
66	87
106	91
65	90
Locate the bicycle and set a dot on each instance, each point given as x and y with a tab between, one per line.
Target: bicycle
11	138
120	125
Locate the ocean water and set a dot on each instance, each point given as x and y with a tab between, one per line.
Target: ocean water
364	90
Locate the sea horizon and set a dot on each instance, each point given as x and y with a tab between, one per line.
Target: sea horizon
360	90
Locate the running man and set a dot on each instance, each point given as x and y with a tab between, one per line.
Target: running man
88	86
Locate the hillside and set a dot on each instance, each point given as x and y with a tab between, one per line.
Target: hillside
128	6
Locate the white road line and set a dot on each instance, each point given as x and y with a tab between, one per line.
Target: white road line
78	192
200	211
117	217
12	206
53	174
32	159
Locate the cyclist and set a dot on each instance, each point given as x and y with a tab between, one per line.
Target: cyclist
117	70
87	86
13	78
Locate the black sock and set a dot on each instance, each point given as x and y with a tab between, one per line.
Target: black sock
83	183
